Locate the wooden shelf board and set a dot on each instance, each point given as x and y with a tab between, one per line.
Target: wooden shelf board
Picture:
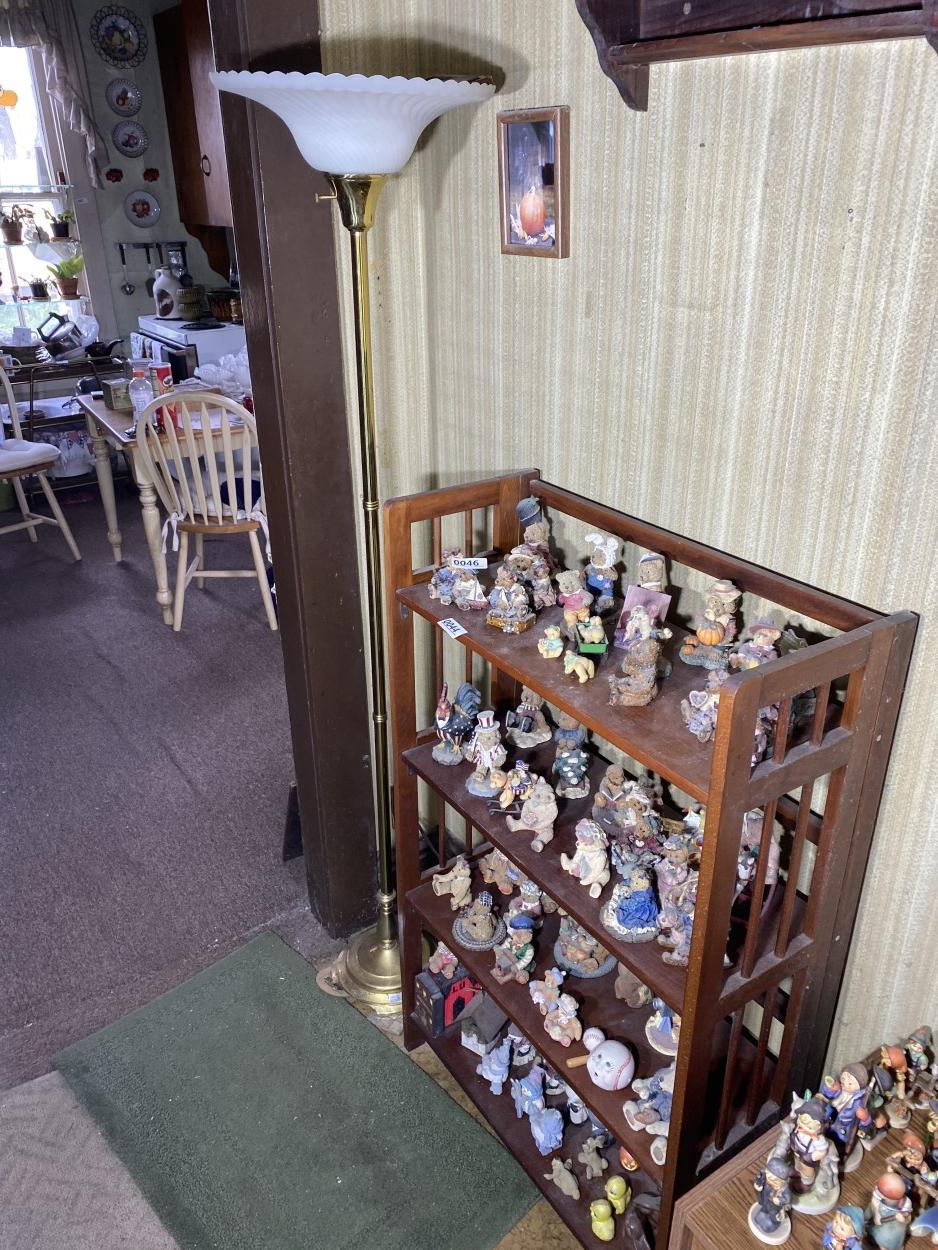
818	32
643	958
655	735
598	1007
516	1135
544	868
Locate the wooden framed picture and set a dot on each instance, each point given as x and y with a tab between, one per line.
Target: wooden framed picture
534	180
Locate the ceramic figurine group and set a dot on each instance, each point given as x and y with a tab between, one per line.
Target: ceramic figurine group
825	1136
579	953
537	815
640	639
656	895
617	1189
476	927
714	647
454	722
524	584
609	1063
651	1110
452	584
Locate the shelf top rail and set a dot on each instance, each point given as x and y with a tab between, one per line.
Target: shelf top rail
787	592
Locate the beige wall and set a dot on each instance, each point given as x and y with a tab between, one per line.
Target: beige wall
742	346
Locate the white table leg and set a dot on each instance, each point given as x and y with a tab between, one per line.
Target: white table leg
151	524
102	465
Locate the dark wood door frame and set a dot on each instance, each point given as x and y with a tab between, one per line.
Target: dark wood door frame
291	314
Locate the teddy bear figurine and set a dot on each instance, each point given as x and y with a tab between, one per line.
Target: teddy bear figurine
562	1024
590	862
550	644
538	813
527	724
601	570
542	588
581	666
575	600
498	870
592	634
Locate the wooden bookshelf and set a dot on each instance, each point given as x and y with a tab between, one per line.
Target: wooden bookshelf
758	996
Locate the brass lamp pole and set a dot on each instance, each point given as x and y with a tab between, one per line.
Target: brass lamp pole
372	969
358	123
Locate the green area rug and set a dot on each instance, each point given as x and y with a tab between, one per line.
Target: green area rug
257	1113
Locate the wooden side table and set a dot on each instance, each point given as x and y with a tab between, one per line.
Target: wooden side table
712	1215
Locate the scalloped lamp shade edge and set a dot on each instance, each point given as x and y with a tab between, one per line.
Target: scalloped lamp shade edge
350	123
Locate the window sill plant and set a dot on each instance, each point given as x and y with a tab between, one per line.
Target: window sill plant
11	222
66	275
61	223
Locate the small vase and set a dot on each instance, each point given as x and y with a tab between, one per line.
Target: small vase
68	287
12	234
61	230
38	290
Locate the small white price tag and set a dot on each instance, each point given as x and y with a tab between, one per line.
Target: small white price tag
452	627
470	562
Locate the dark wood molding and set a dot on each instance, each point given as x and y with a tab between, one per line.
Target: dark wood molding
611	23
290	299
631	35
930	9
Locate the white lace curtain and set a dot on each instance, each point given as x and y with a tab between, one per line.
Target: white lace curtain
50	25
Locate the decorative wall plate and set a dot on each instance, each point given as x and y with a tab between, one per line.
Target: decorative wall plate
130	138
142	208
123	96
119	36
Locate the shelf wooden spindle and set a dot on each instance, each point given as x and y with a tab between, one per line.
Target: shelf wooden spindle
758	890
755	1097
799	838
728	1094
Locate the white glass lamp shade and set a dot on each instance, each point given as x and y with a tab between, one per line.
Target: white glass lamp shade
350	123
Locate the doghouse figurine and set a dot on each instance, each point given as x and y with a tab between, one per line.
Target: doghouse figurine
439	1002
481	1024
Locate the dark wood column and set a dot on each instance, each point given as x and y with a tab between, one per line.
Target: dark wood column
289	294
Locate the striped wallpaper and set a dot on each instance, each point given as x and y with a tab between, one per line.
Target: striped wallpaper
742	346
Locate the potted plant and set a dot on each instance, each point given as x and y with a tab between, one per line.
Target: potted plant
38	288
11	222
66	275
61	223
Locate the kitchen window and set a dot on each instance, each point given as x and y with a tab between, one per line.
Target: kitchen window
32	176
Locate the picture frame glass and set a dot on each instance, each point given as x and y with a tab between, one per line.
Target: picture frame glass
530	186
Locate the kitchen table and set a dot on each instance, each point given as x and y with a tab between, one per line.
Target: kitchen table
109	428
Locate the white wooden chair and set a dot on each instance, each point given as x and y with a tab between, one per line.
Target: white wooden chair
21	458
206	471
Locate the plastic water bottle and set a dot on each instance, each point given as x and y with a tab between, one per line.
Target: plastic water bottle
140	392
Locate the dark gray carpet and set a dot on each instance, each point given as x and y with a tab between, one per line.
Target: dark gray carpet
143	782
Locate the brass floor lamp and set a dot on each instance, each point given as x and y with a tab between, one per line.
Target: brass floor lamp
368	128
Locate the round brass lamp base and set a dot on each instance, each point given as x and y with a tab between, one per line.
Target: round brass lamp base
370	973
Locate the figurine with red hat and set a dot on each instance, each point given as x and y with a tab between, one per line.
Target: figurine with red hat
889	1214
893	1062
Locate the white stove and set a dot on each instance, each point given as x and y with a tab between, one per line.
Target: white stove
158	336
